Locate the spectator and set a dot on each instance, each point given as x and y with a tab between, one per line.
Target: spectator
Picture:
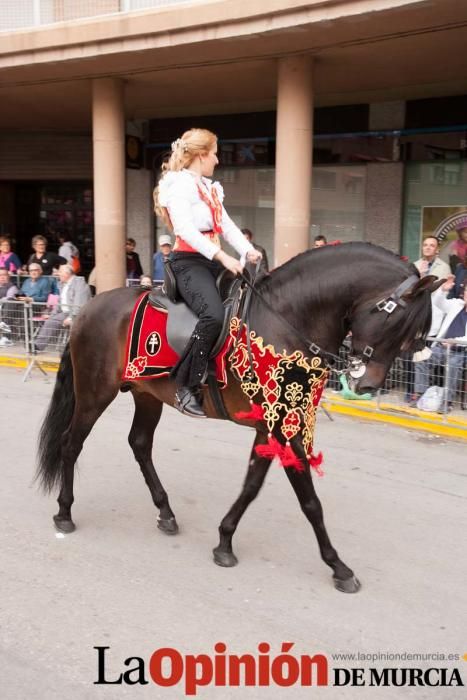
320	241
133	264
145	282
74	293
453	329
165	249
69	251
8	290
430	263
264	264
457	292
458	248
8	259
47	261
36	288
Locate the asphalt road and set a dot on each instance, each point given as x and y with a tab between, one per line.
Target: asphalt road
395	507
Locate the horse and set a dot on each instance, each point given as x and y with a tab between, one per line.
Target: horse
320	295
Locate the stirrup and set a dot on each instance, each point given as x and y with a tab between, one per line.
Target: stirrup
187	403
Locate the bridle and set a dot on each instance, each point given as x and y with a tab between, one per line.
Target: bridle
356	364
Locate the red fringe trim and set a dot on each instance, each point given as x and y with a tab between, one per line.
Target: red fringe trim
287	456
256	413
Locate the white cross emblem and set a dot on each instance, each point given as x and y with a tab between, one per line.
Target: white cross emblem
153	343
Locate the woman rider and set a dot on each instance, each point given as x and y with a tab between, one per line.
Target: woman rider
191	205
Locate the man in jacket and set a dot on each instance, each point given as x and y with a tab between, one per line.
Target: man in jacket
74	293
453	329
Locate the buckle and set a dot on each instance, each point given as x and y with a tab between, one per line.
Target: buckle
368	351
314	349
387	305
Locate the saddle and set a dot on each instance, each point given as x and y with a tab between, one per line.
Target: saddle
182	320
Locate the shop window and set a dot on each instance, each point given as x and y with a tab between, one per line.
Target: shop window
444	174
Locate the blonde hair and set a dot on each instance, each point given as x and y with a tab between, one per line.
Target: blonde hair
193	143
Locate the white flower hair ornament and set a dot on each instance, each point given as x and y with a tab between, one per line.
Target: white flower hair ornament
179	144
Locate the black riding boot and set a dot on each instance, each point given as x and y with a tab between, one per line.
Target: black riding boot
187	401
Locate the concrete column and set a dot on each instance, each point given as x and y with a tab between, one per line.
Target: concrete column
109	182
294	149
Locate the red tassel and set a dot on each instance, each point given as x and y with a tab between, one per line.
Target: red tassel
290	459
315	463
271	450
256	413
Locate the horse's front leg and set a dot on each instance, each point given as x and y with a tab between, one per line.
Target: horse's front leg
257	470
302	484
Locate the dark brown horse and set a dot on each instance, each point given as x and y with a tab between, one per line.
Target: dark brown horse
323	293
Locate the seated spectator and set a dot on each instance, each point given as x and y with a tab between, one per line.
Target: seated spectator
8	289
165	249
264	264
453	329
69	251
8	259
74	293
47	261
145	281
320	241
36	287
133	264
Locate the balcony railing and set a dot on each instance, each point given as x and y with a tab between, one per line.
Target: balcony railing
27	14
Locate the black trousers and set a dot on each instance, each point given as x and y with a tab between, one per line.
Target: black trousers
196	280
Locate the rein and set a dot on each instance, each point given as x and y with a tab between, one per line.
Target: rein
356	364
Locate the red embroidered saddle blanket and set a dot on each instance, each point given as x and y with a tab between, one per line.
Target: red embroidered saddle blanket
148	353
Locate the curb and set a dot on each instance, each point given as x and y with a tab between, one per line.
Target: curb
412	419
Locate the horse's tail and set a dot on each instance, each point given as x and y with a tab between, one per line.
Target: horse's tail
56	422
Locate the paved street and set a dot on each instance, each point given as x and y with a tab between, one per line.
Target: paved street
395	507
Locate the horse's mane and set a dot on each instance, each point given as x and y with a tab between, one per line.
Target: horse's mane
335	271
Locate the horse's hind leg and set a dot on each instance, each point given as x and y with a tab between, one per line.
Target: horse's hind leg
84	418
148	411
302	484
257	470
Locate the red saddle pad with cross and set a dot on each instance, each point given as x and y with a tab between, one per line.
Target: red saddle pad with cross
148	353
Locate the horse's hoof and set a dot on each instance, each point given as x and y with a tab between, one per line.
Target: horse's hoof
62	525
169	526
348	585
224	558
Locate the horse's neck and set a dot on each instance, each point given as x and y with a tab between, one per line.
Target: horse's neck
321	323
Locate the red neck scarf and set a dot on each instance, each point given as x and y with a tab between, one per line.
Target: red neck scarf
215	207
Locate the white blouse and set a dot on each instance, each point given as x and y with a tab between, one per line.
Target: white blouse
178	192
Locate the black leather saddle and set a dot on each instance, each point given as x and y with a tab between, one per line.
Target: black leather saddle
182	320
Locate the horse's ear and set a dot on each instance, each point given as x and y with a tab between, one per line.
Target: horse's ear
430	283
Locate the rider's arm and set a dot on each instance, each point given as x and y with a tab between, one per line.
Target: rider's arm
181	194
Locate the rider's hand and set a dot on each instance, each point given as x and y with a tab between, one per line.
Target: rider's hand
254	256
232	264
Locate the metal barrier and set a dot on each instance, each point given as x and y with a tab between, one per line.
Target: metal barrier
35	331
407	382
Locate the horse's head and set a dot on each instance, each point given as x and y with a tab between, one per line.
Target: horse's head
385	326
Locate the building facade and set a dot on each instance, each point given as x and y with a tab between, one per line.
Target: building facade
347	119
